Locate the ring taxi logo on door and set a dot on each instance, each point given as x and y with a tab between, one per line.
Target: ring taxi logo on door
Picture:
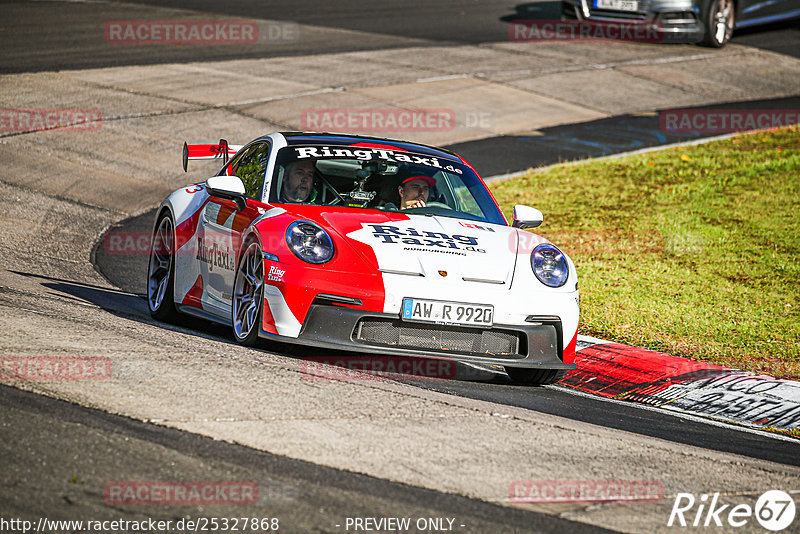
774	510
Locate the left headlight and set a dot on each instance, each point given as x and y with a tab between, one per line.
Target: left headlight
309	242
550	265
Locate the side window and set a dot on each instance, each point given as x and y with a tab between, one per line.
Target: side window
465	201
250	167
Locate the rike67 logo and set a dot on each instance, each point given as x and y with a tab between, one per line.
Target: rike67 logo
774	510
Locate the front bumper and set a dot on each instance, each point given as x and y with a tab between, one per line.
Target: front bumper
537	344
676	22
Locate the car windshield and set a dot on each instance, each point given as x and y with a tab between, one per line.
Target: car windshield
383	179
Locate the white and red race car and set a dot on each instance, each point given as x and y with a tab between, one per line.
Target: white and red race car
364	244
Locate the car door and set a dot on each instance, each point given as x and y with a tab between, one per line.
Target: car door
762	11
221	226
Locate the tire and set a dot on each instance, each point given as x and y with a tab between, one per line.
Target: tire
161	271
248	295
719	18
534	377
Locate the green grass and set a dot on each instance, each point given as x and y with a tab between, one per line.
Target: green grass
692	251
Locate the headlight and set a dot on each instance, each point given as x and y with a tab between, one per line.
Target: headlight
550	265
309	242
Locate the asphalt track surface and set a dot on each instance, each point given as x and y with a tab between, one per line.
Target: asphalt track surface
37	420
603	137
305	497
41	43
439	22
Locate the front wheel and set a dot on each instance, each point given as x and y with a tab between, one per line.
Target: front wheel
248	295
718	22
535	377
161	271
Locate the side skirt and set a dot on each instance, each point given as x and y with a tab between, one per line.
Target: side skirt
203	314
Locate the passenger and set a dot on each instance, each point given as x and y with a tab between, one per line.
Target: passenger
414	191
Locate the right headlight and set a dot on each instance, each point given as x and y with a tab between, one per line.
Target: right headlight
309	242
550	265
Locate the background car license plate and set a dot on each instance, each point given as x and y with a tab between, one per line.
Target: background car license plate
438	311
618	5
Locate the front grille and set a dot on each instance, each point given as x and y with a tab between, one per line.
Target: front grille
440	338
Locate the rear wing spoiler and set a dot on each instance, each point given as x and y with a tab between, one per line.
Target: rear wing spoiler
221	150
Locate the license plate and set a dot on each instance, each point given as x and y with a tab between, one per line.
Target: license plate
617	5
445	312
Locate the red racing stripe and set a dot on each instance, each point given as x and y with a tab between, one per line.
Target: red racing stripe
267	320
194	296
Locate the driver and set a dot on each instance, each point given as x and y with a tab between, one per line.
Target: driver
298	184
414	191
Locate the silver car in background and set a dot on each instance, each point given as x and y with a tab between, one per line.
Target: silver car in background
708	22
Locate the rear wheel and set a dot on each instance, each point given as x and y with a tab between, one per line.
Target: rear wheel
248	295
535	377
718	22
161	271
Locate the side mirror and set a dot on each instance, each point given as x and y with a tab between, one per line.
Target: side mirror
229	188
526	217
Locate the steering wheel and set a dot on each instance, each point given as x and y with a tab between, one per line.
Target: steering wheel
437	205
